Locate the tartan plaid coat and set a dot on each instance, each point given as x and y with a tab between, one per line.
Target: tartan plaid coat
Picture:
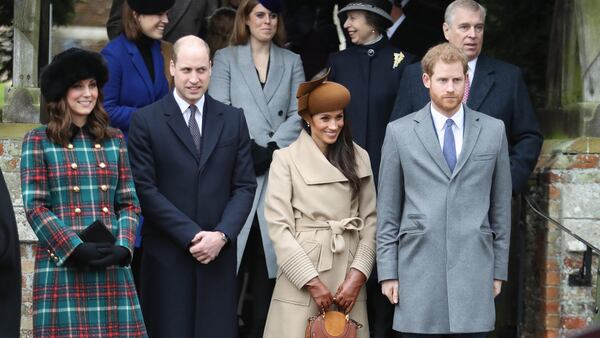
64	190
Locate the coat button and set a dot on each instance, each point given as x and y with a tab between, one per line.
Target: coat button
56	259
78	211
105	210
280	113
102	165
104	187
76	189
70	146
97	146
271	134
371	52
74	166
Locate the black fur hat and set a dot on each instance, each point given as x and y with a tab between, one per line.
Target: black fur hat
68	67
150	6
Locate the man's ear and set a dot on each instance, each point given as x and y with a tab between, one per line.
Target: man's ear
426	80
172	67
445	29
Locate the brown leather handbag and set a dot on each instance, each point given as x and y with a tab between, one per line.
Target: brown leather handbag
332	324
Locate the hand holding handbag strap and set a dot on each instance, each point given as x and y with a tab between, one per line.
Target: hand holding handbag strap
332	324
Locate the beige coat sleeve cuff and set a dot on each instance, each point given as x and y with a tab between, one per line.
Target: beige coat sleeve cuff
299	269
364	259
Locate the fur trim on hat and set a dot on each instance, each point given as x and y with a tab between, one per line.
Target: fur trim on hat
68	67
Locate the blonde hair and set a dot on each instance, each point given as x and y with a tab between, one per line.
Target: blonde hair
446	53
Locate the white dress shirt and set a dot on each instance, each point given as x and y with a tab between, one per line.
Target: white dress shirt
439	120
472	64
185	109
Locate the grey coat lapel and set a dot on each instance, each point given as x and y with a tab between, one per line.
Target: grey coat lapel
471	133
275	72
248	71
483	81
426	133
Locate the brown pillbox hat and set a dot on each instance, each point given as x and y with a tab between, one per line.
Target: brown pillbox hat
319	96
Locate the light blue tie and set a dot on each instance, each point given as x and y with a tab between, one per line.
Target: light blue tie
449	145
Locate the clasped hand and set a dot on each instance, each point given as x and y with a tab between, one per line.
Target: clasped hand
206	246
345	296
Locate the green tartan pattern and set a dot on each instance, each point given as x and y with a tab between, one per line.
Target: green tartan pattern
64	190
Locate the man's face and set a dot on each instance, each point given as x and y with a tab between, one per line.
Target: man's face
465	31
191	72
446	86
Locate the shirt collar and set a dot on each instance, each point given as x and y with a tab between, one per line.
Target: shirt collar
183	105
395	26
439	119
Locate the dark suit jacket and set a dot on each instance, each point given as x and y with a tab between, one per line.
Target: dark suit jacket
369	74
10	267
182	193
416	37
498	90
185	17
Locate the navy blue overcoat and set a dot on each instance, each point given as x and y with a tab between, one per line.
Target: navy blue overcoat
372	74
182	193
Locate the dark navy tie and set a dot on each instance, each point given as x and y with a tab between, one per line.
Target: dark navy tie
449	145
194	129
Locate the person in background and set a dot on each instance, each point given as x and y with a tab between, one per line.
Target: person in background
371	69
219	28
136	74
190	157
311	32
256	74
75	174
10	267
320	207
416	26
185	17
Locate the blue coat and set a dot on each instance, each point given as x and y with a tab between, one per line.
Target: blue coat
129	85
181	194
371	76
498	90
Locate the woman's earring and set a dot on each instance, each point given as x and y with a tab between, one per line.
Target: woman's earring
308	124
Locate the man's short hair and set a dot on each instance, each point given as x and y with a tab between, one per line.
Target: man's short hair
470	5
446	53
178	44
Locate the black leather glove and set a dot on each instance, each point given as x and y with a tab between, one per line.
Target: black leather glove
86	252
112	255
262	156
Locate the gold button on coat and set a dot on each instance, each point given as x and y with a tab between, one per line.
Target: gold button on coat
104	187
77	211
105	210
102	165
76	189
70	146
73	166
97	146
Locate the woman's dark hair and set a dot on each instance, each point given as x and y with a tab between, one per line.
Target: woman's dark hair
341	154
131	27
377	21
59	126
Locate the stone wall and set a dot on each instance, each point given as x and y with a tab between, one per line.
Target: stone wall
568	189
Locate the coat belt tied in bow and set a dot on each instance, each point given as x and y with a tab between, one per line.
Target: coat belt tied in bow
337	243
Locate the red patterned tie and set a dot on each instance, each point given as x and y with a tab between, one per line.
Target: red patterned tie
467	90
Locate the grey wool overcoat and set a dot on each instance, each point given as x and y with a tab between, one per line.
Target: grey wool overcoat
271	114
444	235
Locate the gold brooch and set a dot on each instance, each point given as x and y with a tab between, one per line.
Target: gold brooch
398	57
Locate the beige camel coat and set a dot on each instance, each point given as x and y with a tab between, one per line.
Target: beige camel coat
317	229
